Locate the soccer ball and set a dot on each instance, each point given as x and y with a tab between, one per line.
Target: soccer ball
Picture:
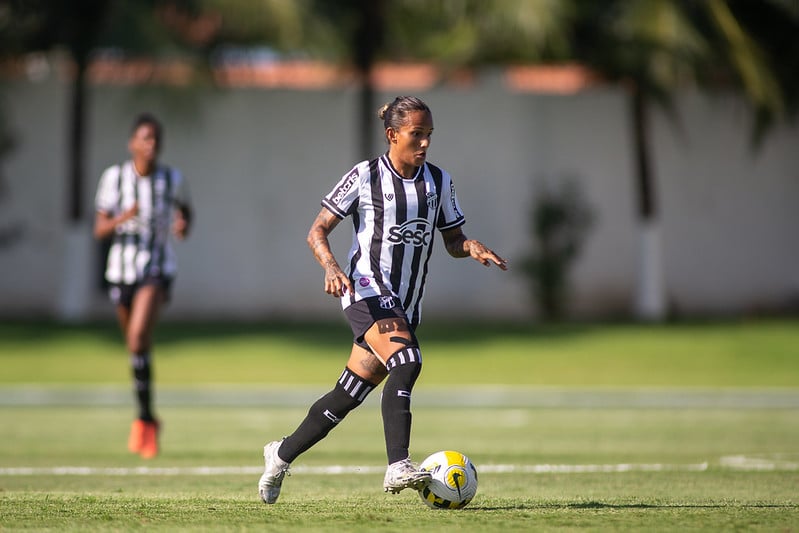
453	483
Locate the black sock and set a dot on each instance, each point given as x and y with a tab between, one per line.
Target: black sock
142	378
325	414
403	369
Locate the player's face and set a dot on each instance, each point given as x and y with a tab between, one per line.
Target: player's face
143	144
409	145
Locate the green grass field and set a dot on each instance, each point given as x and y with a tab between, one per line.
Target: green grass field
573	427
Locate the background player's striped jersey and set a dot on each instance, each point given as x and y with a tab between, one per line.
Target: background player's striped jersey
141	246
393	220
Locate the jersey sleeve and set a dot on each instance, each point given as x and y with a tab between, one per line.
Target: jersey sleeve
450	216
107	197
180	194
343	199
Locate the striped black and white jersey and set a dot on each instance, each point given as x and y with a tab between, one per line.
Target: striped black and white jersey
394	219
141	246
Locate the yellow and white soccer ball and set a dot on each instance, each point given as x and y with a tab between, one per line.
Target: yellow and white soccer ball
453	483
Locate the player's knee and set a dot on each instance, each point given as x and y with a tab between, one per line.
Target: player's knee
408	357
137	342
350	392
404	366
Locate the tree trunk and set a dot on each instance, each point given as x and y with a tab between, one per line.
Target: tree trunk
78	261
366	41
76	142
650	301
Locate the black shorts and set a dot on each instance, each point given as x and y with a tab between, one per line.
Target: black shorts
362	314
122	294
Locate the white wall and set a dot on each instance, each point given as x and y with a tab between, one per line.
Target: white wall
260	161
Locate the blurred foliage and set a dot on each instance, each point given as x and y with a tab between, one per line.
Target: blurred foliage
660	46
654	47
657	44
475	32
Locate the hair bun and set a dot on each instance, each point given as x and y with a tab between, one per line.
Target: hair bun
381	113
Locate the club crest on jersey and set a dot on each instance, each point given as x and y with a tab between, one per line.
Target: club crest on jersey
389	196
432	200
386	302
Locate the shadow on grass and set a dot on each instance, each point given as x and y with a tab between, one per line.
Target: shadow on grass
317	333
599	505
336	332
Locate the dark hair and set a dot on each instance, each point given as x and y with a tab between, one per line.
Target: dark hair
394	114
148	119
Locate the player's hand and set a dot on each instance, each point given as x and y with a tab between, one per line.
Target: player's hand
129	213
180	226
336	281
126	215
481	253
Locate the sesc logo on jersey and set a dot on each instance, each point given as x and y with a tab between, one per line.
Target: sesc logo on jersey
415	232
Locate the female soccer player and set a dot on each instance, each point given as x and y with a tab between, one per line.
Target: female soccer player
137	203
396	202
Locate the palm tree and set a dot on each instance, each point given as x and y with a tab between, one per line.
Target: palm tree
650	47
654	47
357	27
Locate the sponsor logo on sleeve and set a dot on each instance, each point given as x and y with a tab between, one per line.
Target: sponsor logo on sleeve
452	200
345	186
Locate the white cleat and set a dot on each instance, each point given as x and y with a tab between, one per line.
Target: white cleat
404	475
274	471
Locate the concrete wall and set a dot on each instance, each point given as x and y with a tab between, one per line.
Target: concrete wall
259	162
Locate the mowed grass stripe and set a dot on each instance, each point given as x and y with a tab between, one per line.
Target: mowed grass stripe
737	463
424	396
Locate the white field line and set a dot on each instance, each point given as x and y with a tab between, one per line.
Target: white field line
738	463
742	462
329	470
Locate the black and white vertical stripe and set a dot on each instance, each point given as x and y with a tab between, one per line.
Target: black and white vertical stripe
394	221
357	387
406	355
141	246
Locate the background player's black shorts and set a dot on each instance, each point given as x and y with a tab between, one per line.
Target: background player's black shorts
122	294
364	313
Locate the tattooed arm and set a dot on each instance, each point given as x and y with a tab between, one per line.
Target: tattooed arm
336	281
458	245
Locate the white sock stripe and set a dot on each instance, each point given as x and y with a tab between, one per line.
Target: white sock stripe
355	385
139	361
365	392
407	355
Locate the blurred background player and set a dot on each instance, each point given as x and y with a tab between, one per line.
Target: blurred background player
396	201
138	204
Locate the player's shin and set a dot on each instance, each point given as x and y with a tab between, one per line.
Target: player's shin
403	367
350	391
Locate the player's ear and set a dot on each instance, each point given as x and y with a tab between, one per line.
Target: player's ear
391	135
